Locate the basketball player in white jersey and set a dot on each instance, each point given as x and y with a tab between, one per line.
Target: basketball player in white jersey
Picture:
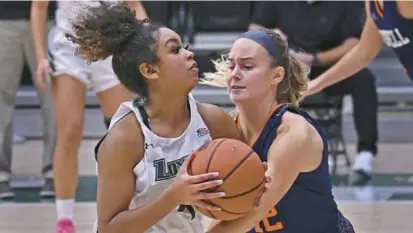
72	76
143	184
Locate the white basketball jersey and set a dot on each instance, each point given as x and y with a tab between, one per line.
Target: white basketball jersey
69	9
160	164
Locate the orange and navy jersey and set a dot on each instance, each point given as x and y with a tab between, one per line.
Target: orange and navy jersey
396	31
308	206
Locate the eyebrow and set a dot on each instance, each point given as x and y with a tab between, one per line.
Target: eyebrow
242	59
172	40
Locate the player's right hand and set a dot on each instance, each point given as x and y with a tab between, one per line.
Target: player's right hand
189	190
42	72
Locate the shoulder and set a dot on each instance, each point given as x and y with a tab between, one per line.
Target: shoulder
297	125
212	112
123	143
219	122
304	137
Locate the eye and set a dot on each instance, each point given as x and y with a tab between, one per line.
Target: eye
176	50
247	67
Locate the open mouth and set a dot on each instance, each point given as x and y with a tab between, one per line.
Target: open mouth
235	87
194	66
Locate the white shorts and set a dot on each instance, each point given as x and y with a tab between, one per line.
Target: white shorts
98	76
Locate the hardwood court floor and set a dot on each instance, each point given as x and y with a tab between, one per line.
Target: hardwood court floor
367	217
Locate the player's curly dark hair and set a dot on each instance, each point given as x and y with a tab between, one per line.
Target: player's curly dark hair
113	29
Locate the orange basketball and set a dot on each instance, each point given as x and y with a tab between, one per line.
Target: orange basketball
239	167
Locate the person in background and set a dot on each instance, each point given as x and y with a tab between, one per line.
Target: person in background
71	77
16	49
320	33
390	22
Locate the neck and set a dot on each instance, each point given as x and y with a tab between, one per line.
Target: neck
169	109
253	117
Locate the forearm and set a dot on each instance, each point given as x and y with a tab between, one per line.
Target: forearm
139	9
333	55
139	220
38	23
351	63
272	195
243	224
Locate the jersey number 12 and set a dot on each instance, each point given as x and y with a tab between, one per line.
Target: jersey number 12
268	226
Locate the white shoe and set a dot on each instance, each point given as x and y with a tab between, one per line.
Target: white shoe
364	163
364	193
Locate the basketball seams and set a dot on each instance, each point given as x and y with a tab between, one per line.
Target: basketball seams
223	210
235	168
238	162
229	212
246	192
210	213
237	195
212	155
190	166
207	169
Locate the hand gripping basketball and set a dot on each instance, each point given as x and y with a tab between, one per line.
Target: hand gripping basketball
187	189
243	174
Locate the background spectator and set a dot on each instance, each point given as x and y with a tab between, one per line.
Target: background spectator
321	33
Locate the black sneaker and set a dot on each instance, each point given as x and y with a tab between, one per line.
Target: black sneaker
6	191
48	189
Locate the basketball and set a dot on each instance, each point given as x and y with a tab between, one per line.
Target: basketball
239	167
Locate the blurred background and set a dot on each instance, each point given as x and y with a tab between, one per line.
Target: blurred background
210	27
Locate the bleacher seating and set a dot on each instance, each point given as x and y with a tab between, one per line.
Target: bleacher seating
214	18
212	26
326	110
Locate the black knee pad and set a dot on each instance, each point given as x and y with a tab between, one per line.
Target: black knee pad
107	122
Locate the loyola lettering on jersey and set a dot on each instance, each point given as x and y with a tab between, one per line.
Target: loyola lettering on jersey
167	170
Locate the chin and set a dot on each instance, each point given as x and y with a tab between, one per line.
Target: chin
189	85
238	99
195	81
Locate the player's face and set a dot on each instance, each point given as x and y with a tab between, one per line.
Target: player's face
176	67
251	72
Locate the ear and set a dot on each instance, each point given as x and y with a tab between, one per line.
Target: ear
149	71
279	74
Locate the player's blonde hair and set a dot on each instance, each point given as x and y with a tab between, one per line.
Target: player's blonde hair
289	89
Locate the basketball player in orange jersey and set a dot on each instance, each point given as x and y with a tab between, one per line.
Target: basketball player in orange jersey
390	22
264	81
139	187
